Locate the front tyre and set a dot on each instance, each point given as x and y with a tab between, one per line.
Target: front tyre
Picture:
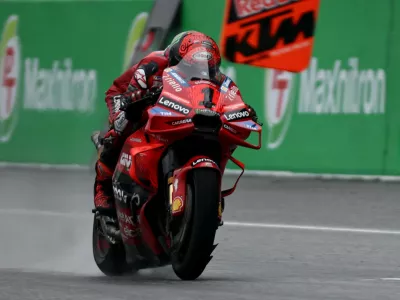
199	224
109	258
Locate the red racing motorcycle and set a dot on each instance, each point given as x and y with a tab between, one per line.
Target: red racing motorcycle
167	183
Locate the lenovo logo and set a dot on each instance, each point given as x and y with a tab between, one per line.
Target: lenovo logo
201	160
237	115
174	105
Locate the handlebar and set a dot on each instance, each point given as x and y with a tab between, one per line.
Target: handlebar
149	99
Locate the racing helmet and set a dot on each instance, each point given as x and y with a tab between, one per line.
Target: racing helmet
197	48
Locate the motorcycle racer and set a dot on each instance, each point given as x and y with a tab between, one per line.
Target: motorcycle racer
129	87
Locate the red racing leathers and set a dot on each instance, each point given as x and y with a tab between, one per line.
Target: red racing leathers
132	84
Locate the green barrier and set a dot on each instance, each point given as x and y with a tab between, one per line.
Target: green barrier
333	117
56	61
392	147
338	116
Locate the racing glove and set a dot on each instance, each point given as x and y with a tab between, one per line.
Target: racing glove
253	115
132	112
130	97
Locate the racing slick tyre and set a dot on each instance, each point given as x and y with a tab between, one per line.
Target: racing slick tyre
198	226
109	258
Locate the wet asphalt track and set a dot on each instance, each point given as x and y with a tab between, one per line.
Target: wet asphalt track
48	255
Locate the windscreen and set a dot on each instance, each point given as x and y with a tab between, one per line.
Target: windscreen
198	65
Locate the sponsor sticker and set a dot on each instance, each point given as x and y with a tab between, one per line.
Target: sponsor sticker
136	140
126	160
175	85
253	31
237	115
180	122
250	125
162	112
177	204
201	160
119	194
205	82
125	218
174	105
232	93
182	81
206	112
131	233
225	85
202	56
229	128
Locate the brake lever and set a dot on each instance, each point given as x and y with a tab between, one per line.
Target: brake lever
255	119
152	98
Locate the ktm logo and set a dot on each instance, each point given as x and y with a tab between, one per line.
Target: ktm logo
277	34
267	39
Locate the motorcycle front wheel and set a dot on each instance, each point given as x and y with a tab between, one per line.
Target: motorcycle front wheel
198	225
109	258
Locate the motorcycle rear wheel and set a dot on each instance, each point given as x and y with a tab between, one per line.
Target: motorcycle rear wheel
109	258
201	221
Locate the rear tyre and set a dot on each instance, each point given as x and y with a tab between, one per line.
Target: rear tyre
199	224
109	258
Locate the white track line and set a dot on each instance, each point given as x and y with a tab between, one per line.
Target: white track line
314	228
255	173
44	213
325	176
36	166
88	216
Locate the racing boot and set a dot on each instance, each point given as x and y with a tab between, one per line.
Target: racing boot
104	202
103	194
105	164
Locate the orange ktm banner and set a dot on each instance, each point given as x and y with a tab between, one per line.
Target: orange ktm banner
277	34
